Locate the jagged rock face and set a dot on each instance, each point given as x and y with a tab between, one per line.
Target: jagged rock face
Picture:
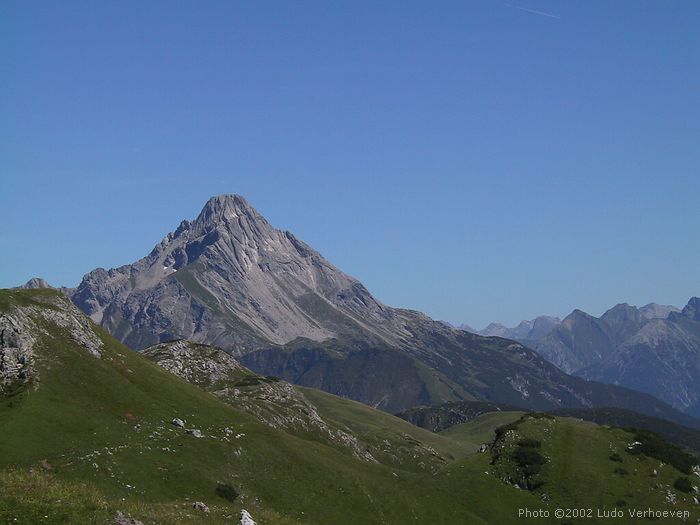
16	350
231	279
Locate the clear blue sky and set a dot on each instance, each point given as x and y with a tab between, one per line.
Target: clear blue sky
477	160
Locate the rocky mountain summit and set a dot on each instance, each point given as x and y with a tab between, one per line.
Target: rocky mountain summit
230	279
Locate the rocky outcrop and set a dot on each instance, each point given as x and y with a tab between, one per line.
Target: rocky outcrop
16	350
23	325
200	364
200	506
123	519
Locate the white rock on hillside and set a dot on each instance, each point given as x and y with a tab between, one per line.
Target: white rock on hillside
246	518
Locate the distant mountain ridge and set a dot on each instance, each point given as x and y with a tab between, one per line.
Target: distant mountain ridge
653	349
230	279
527	330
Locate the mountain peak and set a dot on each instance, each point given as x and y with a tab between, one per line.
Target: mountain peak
34	283
229	206
692	309
657	311
621	312
578	313
231	273
229	200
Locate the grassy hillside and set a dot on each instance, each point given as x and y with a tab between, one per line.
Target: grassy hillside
90	434
678	434
578	464
376	427
446	415
480	430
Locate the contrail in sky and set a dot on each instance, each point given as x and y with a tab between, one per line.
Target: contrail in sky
542	13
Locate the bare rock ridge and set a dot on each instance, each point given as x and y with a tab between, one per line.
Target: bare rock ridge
230	279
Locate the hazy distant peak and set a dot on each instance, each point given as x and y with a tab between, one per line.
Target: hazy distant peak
465	327
657	311
692	309
576	314
35	282
621	312
495	329
525	330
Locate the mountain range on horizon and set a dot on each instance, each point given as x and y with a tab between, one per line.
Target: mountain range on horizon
228	278
536	328
654	348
